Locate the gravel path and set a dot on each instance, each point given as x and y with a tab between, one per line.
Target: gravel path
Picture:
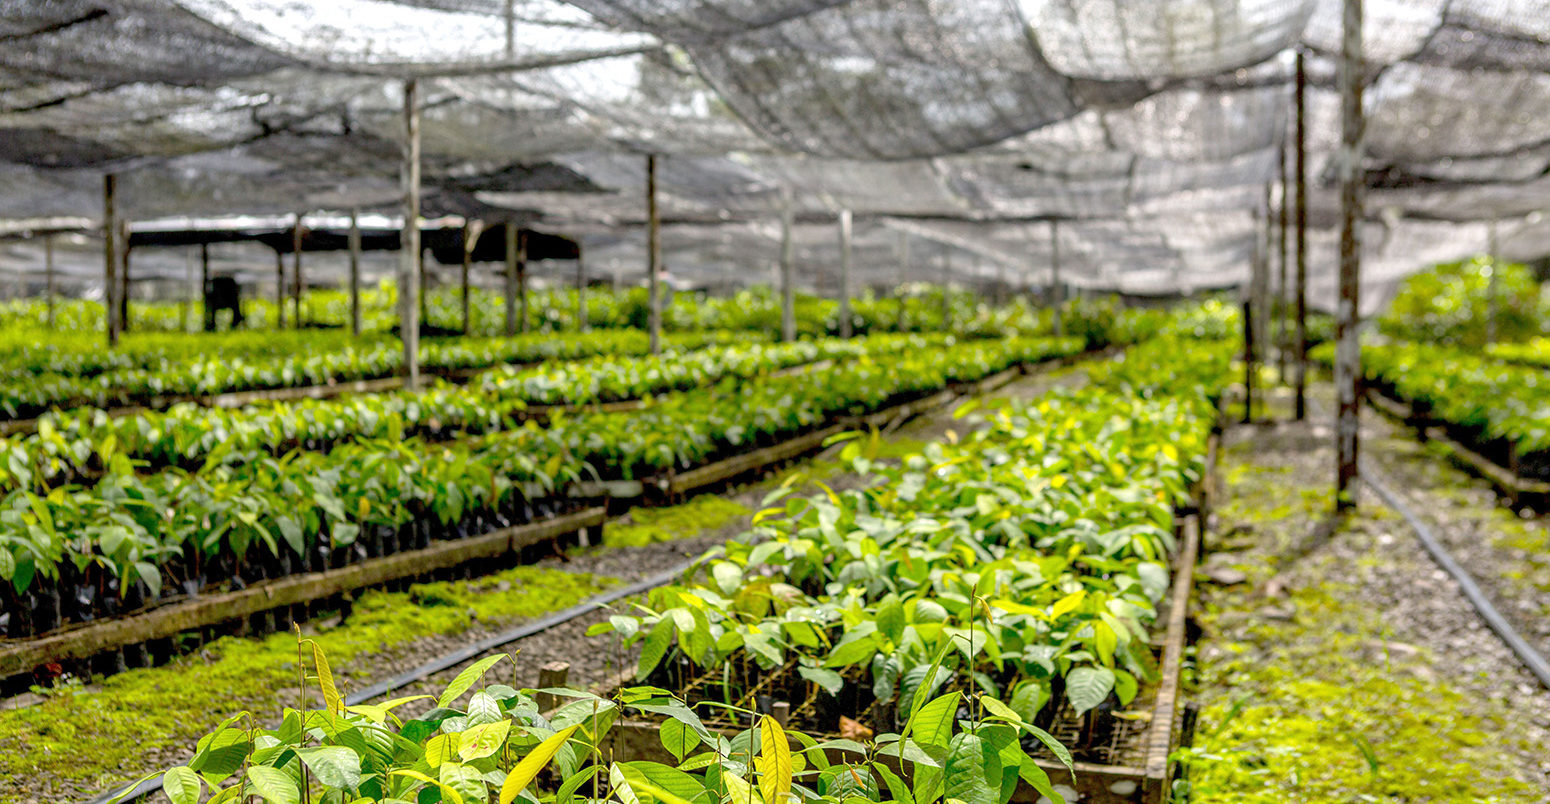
1358	629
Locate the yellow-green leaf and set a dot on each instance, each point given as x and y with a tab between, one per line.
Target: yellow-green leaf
774	761
533	763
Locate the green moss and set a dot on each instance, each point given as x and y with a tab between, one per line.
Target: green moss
704	513
1323	708
1306	697
115	731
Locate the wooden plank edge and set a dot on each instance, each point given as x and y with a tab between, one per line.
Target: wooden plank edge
1503	478
85	640
1166	710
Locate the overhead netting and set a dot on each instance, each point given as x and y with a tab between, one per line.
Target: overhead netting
1134	138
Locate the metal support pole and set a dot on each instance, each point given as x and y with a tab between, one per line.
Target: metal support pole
1254	323
845	225
1057	294
788	316
409	245
653	257
207	322
296	236
187	302
1348	350
48	275
355	272
1300	379
582	322
1492	286
110	257
510	276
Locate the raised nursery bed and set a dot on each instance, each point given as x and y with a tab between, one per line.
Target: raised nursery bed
268	595
1118	759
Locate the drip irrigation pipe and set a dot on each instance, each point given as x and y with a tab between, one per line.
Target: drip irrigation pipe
447	661
1525	652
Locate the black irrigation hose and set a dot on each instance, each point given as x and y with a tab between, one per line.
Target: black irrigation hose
1525	652
449	660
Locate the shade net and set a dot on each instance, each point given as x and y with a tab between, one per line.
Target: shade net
1139	136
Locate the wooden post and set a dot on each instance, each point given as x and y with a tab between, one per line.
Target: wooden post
1492	285
1254	318
553	675
947	291
110	257
788	315
1283	331
653	257
845	224
1300	370
279	289
123	277
48	275
355	271
1056	297
522	324
409	246
582	323
187	302
208	319
511	279
1348	349
471	231
904	276
296	243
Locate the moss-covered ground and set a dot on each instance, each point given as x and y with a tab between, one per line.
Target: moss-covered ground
698	515
87	738
1306	692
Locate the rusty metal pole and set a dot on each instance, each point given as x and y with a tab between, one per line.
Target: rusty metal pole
1300	344
409	241
653	257
1348	350
355	272
845	233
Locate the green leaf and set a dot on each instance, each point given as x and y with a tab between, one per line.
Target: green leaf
1086	687
972	773
182	785
933	724
274	785
655	648
678	738
466	679
483	740
335	766
829	680
666	785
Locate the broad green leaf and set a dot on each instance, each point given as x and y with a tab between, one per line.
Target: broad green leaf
933	724
483	740
274	785
972	773
1086	687
466	679
334	766
830	681
678	738
182	785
